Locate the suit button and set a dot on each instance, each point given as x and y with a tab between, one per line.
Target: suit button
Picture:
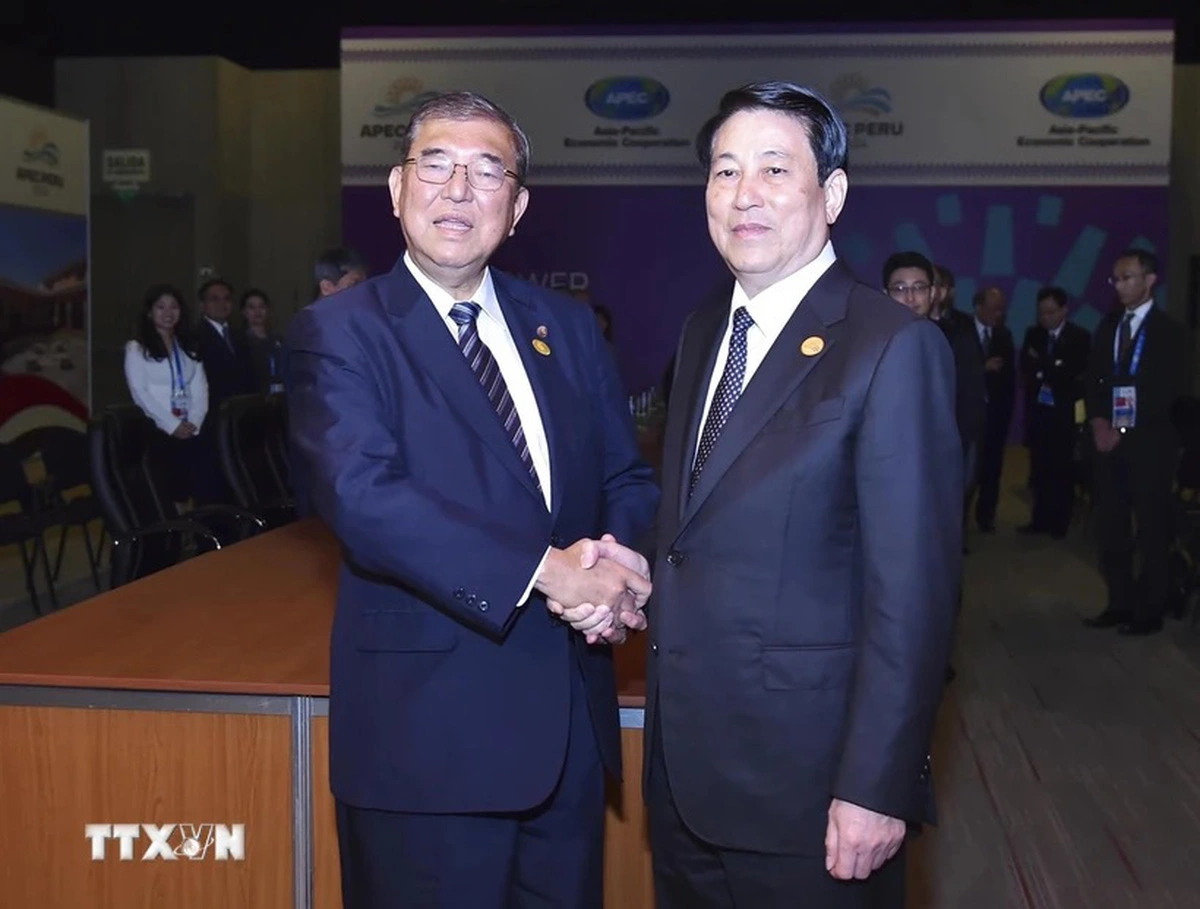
483	604
654	648
470	599
674	557
459	593
555	540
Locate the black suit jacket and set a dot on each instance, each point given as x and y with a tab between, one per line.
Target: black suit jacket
229	370
1160	377
804	595
1001	384
1063	368
970	401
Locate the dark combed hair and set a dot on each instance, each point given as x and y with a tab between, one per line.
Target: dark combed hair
909	259
147	335
210	284
1146	259
332	264
1057	294
254	292
469	106
825	129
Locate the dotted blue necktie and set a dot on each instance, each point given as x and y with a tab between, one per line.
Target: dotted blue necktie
729	389
483	364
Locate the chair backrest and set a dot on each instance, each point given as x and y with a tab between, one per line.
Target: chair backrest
123	460
64	453
14	485
104	483
245	430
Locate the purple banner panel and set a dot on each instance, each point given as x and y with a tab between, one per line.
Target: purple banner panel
644	252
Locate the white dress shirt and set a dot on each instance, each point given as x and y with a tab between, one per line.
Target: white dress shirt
493	331
150	380
1139	316
770	309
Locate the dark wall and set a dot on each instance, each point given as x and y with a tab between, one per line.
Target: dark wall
26	75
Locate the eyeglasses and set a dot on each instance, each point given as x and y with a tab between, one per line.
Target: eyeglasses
484	175
903	290
1121	279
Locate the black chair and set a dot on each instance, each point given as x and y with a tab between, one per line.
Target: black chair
64	455
148	533
24	528
252	440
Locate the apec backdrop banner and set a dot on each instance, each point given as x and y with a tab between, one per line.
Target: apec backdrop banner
44	312
1016	156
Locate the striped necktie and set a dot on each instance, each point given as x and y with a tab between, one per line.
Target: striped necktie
483	364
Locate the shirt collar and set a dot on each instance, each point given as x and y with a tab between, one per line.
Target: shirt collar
443	301
1139	313
219	326
772	308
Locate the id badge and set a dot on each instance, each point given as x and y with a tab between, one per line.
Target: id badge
1124	407
276	388
179	405
1045	396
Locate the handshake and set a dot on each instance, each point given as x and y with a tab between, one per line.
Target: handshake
598	587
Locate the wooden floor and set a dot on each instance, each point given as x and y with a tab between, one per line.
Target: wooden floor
1067	760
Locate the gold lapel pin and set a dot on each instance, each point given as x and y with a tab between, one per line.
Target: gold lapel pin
812	346
541	347
541	331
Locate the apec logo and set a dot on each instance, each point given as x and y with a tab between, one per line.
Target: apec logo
1084	95
627	98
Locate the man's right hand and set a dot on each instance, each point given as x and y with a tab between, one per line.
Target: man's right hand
184	430
1104	436
586	590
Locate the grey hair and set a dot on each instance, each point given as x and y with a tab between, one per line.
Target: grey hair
468	106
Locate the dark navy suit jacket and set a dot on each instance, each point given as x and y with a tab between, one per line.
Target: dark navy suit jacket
445	696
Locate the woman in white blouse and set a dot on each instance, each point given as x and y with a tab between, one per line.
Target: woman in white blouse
166	380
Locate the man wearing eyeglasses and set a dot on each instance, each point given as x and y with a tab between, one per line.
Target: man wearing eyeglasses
910	279
1136	374
469	442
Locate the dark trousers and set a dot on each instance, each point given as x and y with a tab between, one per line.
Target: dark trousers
550	857
991	464
1132	487
1052	435
692	874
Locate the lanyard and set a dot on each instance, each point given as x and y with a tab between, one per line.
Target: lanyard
1137	352
178	382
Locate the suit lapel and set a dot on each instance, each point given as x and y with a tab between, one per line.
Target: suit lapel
429	345
697	358
776	378
546	377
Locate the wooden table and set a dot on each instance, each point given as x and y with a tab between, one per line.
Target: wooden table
200	696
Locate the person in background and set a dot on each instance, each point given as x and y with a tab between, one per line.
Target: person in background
167	381
230	372
338	269
1054	359
266	346
997	353
1138	371
944	311
907	280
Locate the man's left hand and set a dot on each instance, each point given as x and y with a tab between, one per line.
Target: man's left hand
858	840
